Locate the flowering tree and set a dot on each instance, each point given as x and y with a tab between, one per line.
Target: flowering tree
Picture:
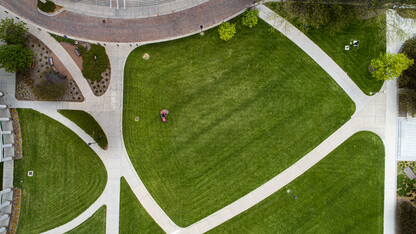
388	66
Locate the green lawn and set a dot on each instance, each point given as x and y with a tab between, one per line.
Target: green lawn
88	124
95	224
343	193
133	217
92	68
240	112
356	61
68	175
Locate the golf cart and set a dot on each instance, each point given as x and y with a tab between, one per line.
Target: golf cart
164	115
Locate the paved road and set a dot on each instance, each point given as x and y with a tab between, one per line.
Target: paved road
130	30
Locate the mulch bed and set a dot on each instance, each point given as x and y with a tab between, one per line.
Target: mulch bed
18	149
25	83
14	216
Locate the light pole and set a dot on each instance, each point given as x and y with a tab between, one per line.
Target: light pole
92	143
201	27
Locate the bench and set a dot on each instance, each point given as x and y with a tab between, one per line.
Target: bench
77	52
50	60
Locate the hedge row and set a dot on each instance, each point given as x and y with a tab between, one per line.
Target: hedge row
64	39
48	7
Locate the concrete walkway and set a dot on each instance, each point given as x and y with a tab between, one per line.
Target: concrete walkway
316	53
398	31
374	113
107	111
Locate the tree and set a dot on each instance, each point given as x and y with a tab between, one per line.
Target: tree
388	66
226	31
307	14
249	18
12	33
15	58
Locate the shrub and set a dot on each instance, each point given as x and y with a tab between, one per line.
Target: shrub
51	87
407	101
92	69
405	217
250	18
226	31
63	39
388	66
48	7
408	78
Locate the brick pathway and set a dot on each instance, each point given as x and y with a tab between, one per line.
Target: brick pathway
130	30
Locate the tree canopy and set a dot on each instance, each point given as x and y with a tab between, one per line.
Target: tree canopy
15	58
11	32
388	66
250	18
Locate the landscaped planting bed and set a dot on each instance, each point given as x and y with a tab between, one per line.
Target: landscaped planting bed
406	188
343	193
97	70
96	67
59	89
67	175
240	113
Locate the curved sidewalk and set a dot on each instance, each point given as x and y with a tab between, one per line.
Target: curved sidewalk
130	30
316	53
369	116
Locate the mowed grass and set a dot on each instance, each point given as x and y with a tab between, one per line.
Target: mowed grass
240	112
343	193
356	61
68	175
88	124
133	217
95	224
